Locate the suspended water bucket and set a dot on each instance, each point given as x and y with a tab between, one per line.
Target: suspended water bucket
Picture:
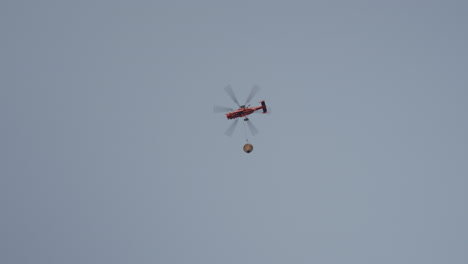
248	148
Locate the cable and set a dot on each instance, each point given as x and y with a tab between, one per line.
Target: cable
245	132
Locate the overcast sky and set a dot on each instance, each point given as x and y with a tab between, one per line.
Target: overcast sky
110	151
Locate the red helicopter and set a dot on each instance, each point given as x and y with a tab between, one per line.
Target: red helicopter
243	111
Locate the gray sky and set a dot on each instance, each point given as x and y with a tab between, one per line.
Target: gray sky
110	152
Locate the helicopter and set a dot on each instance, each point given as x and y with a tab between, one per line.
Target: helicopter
243	111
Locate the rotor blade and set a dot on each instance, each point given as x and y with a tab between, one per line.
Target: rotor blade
231	128
252	128
253	92
230	92
221	109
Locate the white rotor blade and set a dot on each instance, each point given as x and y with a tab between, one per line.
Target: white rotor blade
253	92
252	128
231	94
221	109
231	128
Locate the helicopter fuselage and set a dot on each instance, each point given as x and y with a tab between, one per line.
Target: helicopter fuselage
245	111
